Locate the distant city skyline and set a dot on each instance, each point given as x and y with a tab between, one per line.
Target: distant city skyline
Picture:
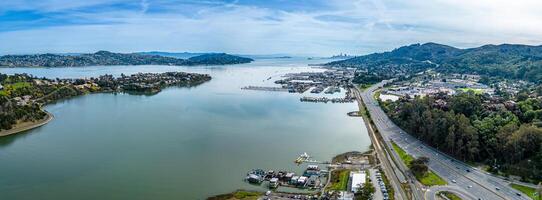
296	27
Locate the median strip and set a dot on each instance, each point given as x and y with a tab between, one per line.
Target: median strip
428	178
529	191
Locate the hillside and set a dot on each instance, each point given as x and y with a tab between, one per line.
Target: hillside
219	58
109	58
182	55
506	60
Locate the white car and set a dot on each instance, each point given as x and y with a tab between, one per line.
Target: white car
453	181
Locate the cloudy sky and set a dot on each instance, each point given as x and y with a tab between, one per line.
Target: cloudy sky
301	27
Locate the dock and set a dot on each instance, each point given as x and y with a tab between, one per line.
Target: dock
263	88
326	100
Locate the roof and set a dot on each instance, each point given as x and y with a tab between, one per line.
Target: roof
357	180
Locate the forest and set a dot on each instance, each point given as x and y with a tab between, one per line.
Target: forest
503	135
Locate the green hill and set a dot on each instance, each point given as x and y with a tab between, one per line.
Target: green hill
109	58
506	60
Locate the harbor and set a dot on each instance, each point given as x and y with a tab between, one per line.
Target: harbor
329	82
319	179
312	178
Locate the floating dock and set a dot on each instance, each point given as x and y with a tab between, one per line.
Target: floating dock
326	100
262	88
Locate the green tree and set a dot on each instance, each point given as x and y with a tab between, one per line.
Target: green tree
419	166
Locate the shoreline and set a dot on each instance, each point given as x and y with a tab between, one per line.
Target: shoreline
25	126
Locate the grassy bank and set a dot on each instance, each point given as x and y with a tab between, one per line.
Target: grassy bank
429	178
450	195
529	191
339	180
363	87
237	195
402	154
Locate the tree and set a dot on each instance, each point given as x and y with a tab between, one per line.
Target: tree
419	166
365	192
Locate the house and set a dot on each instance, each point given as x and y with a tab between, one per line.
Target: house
273	183
313	181
253	178
357	179
301	181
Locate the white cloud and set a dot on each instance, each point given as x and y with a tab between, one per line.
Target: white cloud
359	27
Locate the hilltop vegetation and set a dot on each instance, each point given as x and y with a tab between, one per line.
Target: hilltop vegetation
506	60
109	58
219	59
22	95
469	126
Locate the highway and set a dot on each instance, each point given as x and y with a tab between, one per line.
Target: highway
395	177
431	194
477	183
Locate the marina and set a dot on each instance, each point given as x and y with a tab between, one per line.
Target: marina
131	150
311	179
262	88
326	100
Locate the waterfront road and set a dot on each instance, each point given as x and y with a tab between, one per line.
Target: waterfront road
394	176
391	163
478	183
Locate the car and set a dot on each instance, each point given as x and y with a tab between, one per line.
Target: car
453	181
470	186
518	194
468	170
498	188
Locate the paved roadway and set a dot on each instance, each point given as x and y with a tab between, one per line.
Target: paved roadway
476	182
399	173
431	194
394	177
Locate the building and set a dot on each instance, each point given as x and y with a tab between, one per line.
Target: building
356	180
313	181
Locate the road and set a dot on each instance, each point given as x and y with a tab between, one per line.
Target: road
395	177
478	183
431	194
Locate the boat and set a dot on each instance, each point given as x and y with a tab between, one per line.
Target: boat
302	158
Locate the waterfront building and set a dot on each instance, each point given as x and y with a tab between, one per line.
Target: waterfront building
357	179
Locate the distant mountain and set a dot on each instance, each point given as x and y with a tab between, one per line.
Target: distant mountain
182	55
219	59
108	58
506	60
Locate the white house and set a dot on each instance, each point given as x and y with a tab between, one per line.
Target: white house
357	179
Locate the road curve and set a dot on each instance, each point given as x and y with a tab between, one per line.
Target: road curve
432	192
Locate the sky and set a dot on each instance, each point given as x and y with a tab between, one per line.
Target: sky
296	27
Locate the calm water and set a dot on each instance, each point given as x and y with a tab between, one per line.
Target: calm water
183	143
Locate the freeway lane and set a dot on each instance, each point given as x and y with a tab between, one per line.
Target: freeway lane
478	183
395	177
399	170
432	193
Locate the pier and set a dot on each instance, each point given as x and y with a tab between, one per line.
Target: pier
263	88
326	100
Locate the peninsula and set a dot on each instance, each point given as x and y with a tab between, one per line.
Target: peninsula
22	96
107	58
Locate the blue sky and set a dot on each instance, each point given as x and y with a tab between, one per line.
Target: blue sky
301	27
